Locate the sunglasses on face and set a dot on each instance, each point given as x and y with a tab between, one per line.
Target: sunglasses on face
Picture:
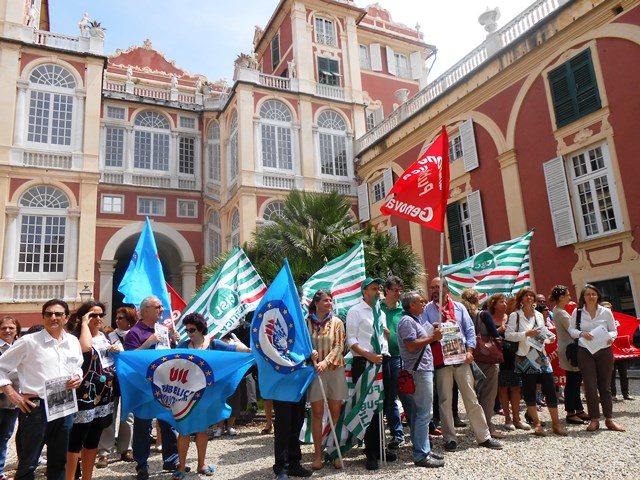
54	314
191	330
96	315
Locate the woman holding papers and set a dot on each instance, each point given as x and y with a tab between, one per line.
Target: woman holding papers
95	394
327	337
596	332
526	326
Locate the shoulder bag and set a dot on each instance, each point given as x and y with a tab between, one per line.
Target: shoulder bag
572	349
488	349
510	346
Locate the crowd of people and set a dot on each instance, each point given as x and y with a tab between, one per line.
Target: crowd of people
433	339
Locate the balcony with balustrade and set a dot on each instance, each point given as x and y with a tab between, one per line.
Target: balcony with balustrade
508	44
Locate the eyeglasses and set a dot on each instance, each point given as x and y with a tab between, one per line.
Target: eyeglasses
54	314
96	315
158	307
191	330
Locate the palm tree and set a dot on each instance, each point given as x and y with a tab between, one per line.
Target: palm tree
315	228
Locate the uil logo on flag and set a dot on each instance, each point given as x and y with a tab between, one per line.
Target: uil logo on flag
178	382
275	335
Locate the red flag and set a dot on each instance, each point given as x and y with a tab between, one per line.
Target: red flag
623	344
177	306
420	194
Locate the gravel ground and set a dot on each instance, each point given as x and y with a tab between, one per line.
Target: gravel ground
584	455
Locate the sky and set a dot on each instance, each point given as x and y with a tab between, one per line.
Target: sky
205	36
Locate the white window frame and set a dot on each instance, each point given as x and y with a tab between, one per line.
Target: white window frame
104	197
180	202
162	201
183	120
111	149
455	148
214	154
155	135
378	191
403	67
325	31
331	137
234	224
115	108
273	208
214	249
276	137
185	163
233	151
365	59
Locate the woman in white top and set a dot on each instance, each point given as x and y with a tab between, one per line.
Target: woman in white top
526	326
595	357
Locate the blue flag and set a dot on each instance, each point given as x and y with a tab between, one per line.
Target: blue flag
184	387
280	341
144	277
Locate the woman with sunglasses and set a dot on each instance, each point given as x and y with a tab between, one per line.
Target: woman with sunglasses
595	333
95	394
196	327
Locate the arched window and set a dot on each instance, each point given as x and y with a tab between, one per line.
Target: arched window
215	236
273	210
213	152
151	141
43	225
235	228
275	129
233	147
51	105
332	135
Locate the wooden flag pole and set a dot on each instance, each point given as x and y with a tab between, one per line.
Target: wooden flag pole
333	427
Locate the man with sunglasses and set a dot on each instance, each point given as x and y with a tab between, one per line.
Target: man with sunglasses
143	336
49	354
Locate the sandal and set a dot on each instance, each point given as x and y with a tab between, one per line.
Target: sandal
575	420
583	415
178	475
539	431
611	425
593	426
207	472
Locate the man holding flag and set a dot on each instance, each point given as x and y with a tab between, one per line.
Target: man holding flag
366	339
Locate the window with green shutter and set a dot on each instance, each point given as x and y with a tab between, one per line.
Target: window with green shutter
574	89
275	51
455	233
328	71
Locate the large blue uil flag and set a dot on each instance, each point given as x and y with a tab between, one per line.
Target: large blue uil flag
280	341
186	388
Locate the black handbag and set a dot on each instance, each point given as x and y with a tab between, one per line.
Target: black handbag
572	349
509	346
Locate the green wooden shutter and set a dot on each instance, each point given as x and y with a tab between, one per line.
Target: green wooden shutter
587	96
563	104
275	51
455	233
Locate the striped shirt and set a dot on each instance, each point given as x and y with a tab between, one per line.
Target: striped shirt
328	341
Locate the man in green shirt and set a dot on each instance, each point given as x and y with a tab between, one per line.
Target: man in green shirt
393	364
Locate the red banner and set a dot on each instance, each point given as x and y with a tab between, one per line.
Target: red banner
420	194
622	346
177	306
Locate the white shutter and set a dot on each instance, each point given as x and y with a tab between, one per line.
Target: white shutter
391	61
364	212
469	146
393	233
416	65
376	57
477	222
387	178
564	226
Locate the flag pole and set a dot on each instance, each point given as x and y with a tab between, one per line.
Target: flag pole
333	427
441	279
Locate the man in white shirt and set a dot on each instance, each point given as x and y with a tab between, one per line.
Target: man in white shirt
368	346
49	354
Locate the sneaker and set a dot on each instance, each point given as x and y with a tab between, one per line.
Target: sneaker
102	462
450	446
232	432
628	398
396	443
142	475
298	471
437	456
458	423
218	432
491	443
430	462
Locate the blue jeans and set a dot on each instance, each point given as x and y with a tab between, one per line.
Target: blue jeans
35	431
142	443
8	417
390	372
422	408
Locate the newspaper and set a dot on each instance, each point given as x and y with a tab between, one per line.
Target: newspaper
163	331
453	351
101	344
600	340
539	340
58	401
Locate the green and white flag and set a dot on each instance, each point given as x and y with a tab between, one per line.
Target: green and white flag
235	289
342	276
501	268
